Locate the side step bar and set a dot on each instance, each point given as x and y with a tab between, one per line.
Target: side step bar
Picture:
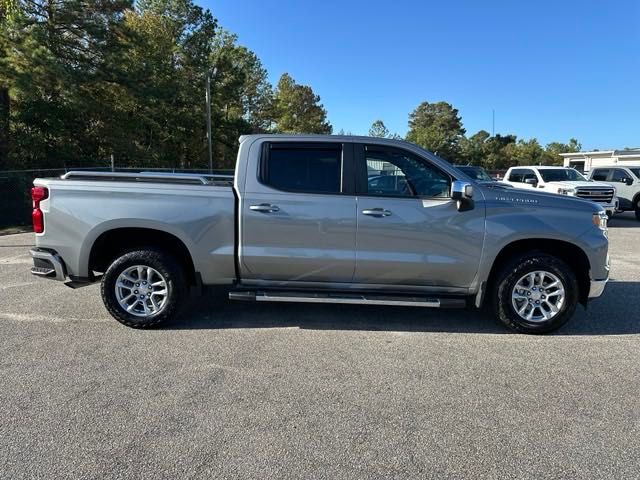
356	299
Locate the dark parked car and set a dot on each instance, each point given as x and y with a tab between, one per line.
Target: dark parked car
476	173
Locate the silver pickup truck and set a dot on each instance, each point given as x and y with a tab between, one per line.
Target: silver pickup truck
322	219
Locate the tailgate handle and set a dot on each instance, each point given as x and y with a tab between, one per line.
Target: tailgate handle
376	212
265	208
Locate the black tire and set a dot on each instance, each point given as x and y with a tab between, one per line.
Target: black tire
510	275
165	265
637	209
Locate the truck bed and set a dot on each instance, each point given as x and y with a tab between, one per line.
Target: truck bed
197	209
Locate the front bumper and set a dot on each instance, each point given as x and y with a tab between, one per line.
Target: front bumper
597	287
609	207
48	264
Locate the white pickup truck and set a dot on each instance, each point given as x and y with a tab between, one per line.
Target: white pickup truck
563	181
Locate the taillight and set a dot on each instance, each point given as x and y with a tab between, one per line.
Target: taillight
37	195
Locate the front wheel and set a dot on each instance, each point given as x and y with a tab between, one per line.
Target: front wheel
637	209
143	288
535	293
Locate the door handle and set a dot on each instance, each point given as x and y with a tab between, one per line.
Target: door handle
376	212
265	208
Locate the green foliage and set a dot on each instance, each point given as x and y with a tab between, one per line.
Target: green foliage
378	129
242	96
437	127
56	57
81	80
552	150
297	109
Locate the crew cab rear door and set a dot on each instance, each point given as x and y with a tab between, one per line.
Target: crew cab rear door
298	214
410	231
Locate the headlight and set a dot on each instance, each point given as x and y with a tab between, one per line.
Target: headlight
600	220
567	191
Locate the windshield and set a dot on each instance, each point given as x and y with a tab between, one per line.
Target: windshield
477	173
560	175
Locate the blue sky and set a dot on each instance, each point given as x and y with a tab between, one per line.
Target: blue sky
550	69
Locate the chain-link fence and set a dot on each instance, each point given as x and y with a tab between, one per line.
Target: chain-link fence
15	185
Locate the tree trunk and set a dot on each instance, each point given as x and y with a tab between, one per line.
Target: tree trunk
4	127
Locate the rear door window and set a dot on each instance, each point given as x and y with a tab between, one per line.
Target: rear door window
600	174
304	169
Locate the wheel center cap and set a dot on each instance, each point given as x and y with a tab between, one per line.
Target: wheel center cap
536	295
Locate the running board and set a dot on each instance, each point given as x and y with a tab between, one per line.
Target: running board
368	299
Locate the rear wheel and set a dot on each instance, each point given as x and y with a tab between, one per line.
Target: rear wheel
535	293
143	288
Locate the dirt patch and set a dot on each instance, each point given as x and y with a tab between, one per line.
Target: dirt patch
14	230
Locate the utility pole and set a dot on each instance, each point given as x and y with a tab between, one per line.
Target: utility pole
493	122
210	73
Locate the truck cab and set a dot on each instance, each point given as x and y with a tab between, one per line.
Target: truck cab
627	182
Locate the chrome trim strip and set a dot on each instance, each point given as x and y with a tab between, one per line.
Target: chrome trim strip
135	176
317	287
264	297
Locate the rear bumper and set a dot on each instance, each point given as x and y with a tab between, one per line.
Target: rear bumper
48	264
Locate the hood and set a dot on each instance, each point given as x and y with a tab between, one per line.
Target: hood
579	183
538	198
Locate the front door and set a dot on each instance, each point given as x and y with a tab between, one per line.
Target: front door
625	188
298	222
410	231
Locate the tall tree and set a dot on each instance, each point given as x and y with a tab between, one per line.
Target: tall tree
297	109
553	150
529	152
57	55
167	66
499	151
473	149
378	129
242	95
438	128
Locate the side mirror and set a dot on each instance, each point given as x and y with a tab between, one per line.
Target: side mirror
628	181
531	181
462	192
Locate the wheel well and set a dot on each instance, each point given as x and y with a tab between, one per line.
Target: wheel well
569	253
114	243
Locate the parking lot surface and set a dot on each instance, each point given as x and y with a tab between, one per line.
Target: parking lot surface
234	390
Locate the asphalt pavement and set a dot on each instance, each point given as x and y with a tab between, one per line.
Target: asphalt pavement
236	390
